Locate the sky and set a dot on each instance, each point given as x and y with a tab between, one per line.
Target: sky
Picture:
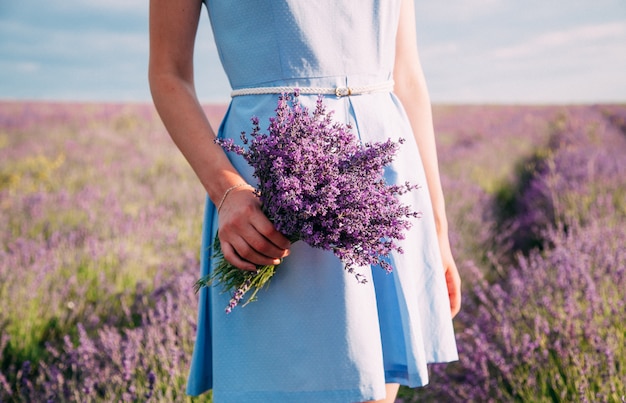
472	51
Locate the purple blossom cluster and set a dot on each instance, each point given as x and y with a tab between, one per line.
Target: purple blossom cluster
147	362
549	324
319	184
99	241
481	148
96	257
552	328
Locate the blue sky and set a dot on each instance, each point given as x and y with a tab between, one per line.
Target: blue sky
473	51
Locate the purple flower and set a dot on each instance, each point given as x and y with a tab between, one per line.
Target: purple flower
317	183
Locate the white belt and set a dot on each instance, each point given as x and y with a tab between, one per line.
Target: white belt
386	86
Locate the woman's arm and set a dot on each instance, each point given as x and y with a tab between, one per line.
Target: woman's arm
248	238
410	87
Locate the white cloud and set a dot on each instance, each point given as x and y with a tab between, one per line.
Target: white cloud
27	67
459	10
440	50
136	6
20	67
569	38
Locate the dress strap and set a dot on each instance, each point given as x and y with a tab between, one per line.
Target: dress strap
386	86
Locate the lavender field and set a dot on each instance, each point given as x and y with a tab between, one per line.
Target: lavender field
100	223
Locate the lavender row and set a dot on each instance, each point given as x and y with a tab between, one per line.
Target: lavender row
100	225
548	325
97	259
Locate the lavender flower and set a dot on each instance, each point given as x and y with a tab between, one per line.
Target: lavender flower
151	381
548	325
318	184
92	234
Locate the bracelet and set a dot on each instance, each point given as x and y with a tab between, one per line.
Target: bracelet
230	189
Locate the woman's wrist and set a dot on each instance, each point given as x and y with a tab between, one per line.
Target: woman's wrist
227	192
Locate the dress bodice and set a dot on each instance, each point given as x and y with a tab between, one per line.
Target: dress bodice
284	42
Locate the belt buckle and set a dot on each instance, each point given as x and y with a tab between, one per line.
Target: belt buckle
343	91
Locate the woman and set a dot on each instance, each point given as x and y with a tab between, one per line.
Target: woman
316	334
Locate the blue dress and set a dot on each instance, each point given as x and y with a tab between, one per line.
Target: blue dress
316	334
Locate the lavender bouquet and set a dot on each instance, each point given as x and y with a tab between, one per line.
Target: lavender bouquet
319	184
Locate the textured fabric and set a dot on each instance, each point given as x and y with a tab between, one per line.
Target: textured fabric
316	335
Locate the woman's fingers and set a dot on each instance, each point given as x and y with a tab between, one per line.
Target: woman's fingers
251	249
264	226
233	258
242	256
249	238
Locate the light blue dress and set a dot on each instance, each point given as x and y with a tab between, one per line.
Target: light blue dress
316	334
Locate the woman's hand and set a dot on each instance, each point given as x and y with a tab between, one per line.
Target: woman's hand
248	238
453	280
